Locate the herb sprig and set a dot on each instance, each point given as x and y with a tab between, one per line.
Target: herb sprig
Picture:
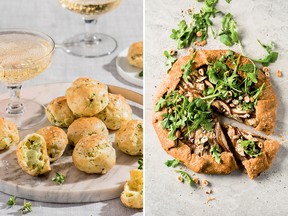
228	34
172	163
216	153
170	59
140	163
59	178
12	201
250	148
187	68
271	57
27	207
186	177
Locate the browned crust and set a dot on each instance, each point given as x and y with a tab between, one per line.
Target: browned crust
255	166
267	104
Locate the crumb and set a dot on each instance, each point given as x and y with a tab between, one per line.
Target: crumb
200	43
180	179
173	52
204	182
209	191
279	73
191	50
210	199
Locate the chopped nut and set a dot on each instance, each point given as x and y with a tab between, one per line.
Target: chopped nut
279	73
227	73
204	139
247	99
201	86
201	71
191	50
201	43
236	102
199	34
252	99
266	69
267	74
170	111
205	182
240	98
209	191
181	91
180	179
196	180
210	199
260	145
173	52
190	10
190	99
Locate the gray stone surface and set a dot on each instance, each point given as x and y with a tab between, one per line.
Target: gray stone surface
235	194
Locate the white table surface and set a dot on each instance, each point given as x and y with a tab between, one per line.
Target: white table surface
235	194
125	24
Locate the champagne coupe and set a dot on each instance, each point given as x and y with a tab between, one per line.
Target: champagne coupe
23	55
90	44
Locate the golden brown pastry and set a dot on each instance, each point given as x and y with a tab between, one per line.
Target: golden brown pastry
256	153
56	141
32	155
94	154
135	54
132	196
8	134
116	113
86	127
58	112
129	138
87	97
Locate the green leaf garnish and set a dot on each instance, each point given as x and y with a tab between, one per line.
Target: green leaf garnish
187	68
228	34
59	178
216	153
250	149
140	163
27	207
186	177
271	57
12	201
172	163
170	59
140	74
228	1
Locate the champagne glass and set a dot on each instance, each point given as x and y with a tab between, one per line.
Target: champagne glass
90	44
23	55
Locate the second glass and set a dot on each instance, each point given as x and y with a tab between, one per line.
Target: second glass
90	44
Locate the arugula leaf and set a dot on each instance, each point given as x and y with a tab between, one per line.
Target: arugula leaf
140	74
140	163
271	57
169	60
228	1
59	178
186	177
183	35
172	163
160	104
250	149
12	201
187	68
216	153
27	207
228	34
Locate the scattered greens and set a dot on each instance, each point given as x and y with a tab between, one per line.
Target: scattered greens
172	163
193	115
228	1
170	59
140	163
140	74
198	28
27	207
59	179
228	34
271	57
12	201
186	177
250	149
187	68
216	153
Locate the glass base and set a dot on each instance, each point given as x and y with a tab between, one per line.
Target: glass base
96	46
34	114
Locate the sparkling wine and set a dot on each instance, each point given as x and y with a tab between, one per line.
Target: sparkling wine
23	56
90	7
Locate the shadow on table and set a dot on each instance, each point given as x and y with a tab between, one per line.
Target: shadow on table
111	67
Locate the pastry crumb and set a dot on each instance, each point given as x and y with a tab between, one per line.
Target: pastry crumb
279	73
180	179
210	199
209	191
196	180
201	43
205	182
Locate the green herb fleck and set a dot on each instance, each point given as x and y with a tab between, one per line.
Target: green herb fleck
186	177
271	57
187	68
228	1
228	34
216	153
140	163
140	74
27	207
170	59
250	149
12	201
59	178
172	163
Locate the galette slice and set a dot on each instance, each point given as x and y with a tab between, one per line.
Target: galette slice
256	153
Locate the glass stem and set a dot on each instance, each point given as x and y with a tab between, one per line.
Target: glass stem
15	106
90	37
